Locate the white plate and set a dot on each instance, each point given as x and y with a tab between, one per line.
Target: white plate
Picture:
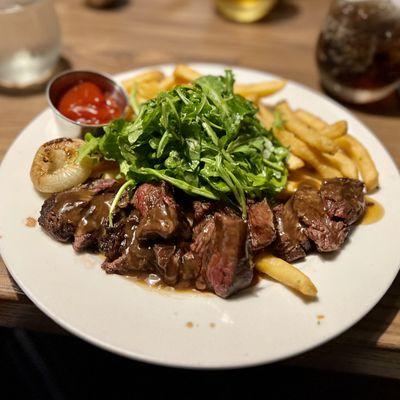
265	324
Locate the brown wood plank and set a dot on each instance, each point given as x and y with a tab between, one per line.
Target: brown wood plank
143	33
9	290
24	314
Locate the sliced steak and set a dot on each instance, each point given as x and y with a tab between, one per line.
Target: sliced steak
94	221
202	235
343	199
218	259
202	208
148	196
169	262
62	212
291	241
227	266
135	256
260	224
195	262
190	270
110	244
161	215
116	239
327	234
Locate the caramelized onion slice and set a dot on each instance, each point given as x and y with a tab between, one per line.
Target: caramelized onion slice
55	169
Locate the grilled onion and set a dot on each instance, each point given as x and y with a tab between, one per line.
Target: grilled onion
54	167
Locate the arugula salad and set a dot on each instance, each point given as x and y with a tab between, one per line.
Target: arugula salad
201	138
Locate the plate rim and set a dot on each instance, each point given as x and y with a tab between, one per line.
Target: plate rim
222	365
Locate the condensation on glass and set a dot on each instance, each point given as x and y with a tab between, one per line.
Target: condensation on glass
29	42
358	51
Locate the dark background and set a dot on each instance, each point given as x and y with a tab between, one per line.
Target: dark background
51	366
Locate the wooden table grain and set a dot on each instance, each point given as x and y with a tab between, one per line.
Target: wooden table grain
142	32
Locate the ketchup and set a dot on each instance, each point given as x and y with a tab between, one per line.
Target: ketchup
85	102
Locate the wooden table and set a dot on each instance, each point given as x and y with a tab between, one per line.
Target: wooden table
143	32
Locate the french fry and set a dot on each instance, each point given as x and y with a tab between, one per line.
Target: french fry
290	189
148	76
305	175
148	90
265	115
343	163
286	274
298	179
310	119
167	83
183	73
362	158
332	131
295	162
140	99
267	118
251	97
310	156
339	160
260	89
335	130
305	133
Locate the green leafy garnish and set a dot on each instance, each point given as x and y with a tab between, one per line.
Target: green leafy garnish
203	139
278	121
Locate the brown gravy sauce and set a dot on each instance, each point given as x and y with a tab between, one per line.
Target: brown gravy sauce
374	212
153	281
69	204
89	219
95	215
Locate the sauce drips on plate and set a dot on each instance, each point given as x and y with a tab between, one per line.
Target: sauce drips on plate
374	212
85	102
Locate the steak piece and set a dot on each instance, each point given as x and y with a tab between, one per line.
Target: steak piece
110	244
226	261
94	221
62	212
343	199
291	241
168	259
202	208
161	215
202	235
135	256
148	196
261	225
327	234
190	270
195	262
218	258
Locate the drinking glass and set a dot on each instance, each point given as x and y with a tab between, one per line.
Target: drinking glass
29	42
358	51
245	10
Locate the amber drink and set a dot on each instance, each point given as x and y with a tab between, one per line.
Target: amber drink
358	51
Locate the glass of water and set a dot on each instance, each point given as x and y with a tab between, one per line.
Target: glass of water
29	42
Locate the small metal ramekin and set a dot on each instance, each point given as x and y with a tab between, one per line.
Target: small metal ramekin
57	87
